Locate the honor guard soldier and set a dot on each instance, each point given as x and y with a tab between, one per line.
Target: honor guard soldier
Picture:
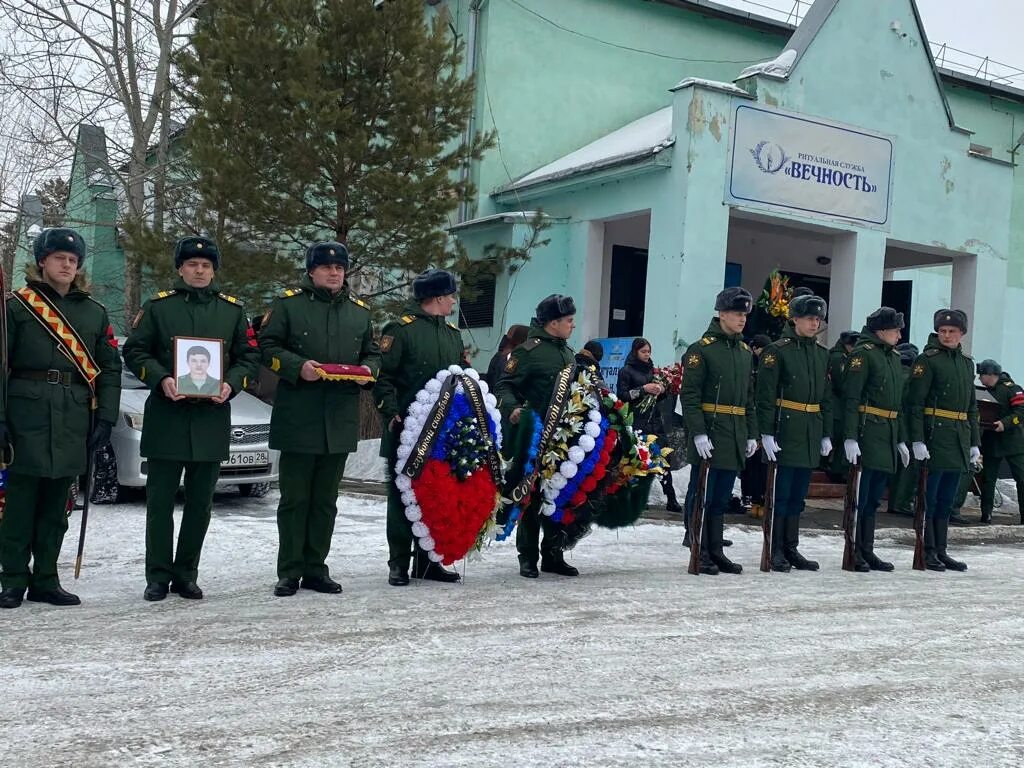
837	357
872	398
529	380
944	427
1005	441
413	349
794	412
180	433
63	396
718	408
904	482
315	422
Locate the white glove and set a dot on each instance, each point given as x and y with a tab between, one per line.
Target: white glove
921	452
904	453
770	447
826	446
852	448
704	446
751	448
975	455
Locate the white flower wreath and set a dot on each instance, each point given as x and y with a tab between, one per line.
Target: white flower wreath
415	420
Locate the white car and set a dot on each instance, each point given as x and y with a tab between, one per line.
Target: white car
251	465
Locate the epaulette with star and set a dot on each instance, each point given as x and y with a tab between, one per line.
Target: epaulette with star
358	302
708	340
164	294
931	352
287	293
530	344
406	319
869	345
229	299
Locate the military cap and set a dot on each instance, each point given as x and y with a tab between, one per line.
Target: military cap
555	307
432	283
885	319
808	305
801	291
734	299
950	317
54	239
331	252
849	338
595	349
760	341
196	248
989	367
908	353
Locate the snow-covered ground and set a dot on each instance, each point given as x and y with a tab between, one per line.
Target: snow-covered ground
633	664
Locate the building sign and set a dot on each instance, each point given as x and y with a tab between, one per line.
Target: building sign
791	162
616	350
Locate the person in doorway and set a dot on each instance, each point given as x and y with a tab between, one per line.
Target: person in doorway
872	399
62	362
636	386
944	427
315	422
1005	441
528	381
794	410
755	472
198	382
515	336
718	408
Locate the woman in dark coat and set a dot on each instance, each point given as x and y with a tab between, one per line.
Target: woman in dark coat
514	336
636	382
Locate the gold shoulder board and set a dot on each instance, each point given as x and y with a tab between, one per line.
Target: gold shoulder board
164	294
229	299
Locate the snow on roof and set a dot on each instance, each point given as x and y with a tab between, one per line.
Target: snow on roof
641	138
780	66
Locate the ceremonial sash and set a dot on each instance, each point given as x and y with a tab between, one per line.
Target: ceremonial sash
61	331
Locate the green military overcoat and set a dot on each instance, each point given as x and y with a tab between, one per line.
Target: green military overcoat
837	356
717	377
1010	396
49	423
413	349
189	430
872	399
308	323
530	372
942	406
794	398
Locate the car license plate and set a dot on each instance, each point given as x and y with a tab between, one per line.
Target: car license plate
247	459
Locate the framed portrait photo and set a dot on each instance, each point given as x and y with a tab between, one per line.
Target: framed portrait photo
198	366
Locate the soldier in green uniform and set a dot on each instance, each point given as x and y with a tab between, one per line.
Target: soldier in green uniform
45	421
197	381
794	413
528	382
903	487
837	357
181	433
1005	441
718	408
944	427
872	398
413	349
315	422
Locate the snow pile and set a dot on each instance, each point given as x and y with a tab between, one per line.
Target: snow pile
365	464
780	66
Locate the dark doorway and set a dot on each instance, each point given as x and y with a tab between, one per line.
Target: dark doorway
820	285
897	294
628	291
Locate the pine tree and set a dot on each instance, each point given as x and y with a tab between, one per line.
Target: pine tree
53	194
320	120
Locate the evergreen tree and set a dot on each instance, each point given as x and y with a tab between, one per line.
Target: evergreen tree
320	119
53	194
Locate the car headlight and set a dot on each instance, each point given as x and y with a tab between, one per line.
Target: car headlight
134	421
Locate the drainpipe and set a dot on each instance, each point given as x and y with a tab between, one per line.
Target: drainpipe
471	38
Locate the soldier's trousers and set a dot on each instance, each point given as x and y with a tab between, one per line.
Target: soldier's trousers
528	530
33	527
162	480
791	486
871	490
963	487
990	473
941	493
306	512
718	492
904	486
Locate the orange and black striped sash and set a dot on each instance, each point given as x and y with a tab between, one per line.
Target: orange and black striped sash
61	331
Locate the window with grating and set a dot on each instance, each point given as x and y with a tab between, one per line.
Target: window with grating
478	311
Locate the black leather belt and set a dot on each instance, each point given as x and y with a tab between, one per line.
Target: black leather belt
52	376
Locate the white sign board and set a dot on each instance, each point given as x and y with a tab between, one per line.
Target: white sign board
808	165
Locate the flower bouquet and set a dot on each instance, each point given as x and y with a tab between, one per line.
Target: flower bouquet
671	380
448	469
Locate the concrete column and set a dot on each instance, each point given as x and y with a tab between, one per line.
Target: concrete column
858	265
979	289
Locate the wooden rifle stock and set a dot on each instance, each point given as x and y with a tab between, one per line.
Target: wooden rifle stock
768	522
850	517
919	517
697	521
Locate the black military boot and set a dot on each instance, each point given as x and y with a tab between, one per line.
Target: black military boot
941	537
155	591
286	587
860	564
427	570
868	547
798	561
671	502
187	589
398	574
931	560
323	584
779	561
11	597
56	596
715	529
553	561
528	567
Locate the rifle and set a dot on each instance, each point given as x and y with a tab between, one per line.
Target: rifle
697	523
919	517
850	516
90	469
